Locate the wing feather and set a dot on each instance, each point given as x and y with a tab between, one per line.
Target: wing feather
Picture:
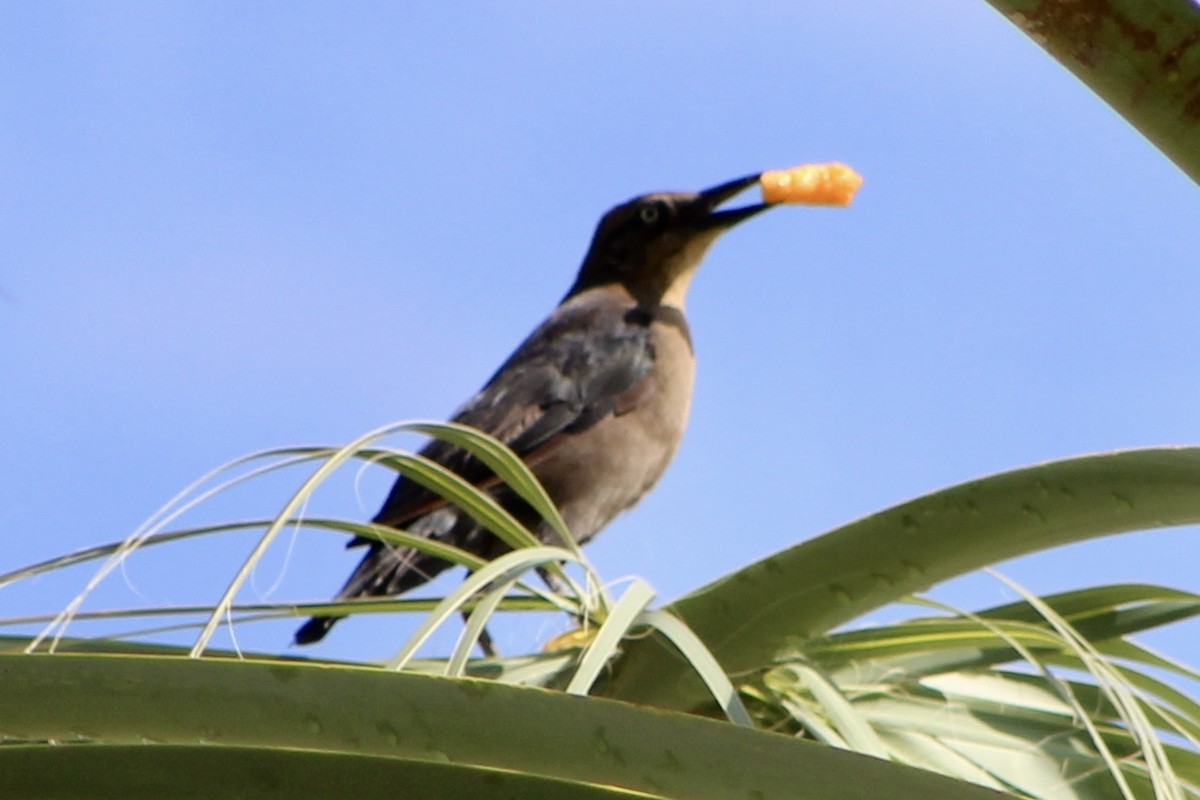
581	365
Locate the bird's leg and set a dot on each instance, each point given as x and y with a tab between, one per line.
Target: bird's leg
486	644
556	585
585	628
552	581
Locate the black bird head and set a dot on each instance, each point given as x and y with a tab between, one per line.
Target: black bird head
653	244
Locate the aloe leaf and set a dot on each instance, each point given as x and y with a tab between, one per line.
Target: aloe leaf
128	772
1141	56
125	716
781	602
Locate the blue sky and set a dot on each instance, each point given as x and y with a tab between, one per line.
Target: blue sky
229	227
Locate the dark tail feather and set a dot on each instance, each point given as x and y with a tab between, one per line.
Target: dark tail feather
394	570
314	630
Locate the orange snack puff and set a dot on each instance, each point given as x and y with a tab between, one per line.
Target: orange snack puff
814	184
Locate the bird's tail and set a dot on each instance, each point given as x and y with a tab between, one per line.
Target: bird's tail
383	571
386	570
314	630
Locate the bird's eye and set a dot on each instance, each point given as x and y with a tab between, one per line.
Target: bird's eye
651	213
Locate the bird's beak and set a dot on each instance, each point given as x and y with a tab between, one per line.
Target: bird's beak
708	200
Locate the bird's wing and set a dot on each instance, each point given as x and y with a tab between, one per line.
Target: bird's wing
580	366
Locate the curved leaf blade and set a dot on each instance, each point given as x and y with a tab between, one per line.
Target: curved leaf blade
1140	56
782	601
103	701
129	772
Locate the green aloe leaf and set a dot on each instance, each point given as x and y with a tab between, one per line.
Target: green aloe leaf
1103	614
156	722
785	600
170	771
1141	56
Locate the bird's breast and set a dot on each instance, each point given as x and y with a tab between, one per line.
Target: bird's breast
606	469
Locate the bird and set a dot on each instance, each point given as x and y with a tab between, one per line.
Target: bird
595	400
